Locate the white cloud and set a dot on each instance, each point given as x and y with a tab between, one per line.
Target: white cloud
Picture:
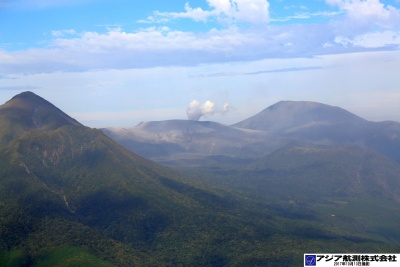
372	40
249	11
163	46
146	48
368	12
307	15
61	33
197	14
368	24
252	11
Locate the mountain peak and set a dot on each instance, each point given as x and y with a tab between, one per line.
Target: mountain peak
26	100
286	115
27	111
27	95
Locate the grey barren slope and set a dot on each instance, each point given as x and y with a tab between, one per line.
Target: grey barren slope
182	139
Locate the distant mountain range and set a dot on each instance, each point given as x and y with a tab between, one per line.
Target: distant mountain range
71	196
286	122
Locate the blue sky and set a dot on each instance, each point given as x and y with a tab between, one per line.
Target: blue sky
120	62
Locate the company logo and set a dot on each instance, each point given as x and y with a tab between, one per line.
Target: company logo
310	260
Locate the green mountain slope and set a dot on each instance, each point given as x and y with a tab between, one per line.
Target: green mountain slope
70	196
74	186
338	171
347	188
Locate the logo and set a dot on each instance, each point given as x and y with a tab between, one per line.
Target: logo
310	260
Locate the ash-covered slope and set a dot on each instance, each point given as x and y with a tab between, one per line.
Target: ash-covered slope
186	139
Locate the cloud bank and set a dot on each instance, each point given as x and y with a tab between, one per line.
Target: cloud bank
369	13
226	11
244	31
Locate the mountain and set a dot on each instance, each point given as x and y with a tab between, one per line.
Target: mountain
292	116
66	189
322	124
71	196
182	142
186	140
314	163
28	111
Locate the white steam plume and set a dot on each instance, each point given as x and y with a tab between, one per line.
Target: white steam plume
196	110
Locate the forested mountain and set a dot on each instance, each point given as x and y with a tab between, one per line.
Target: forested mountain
63	185
71	196
348	188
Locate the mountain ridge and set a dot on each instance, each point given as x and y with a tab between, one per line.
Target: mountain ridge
301	122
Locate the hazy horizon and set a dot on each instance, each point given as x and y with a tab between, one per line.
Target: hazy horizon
117	63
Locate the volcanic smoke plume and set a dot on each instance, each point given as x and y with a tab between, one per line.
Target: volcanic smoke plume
196	110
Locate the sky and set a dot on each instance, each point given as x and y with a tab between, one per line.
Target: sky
115	63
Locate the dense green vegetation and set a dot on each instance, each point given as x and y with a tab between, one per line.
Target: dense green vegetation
74	187
70	196
346	189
